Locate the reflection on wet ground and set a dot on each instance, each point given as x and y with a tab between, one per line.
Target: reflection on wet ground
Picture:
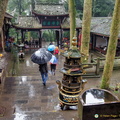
25	98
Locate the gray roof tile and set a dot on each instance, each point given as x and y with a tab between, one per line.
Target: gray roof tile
57	9
28	22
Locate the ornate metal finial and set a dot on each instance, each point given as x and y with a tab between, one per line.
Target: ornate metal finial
74	43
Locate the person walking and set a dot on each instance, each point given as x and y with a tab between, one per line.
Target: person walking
56	52
53	64
44	72
41	57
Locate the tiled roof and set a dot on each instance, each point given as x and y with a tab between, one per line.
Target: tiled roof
101	25
66	23
28	22
46	9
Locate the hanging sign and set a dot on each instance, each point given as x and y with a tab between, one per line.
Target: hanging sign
50	22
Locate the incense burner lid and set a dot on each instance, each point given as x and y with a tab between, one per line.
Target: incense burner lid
72	53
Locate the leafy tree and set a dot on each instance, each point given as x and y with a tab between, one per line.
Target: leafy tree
102	8
79	7
108	68
34	35
21	7
49	35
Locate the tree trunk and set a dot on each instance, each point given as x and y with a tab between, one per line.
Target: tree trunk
3	6
108	68
2	41
72	14
86	29
33	4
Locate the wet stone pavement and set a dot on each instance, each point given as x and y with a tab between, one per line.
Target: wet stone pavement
25	98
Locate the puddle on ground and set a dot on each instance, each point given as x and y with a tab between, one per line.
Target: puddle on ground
57	107
20	116
51	87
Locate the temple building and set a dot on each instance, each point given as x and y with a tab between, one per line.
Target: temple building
46	16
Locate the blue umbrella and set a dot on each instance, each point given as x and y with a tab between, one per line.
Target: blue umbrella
51	47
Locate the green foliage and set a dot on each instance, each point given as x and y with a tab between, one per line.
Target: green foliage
49	35
79	7
34	35
103	8
67	34
12	33
20	7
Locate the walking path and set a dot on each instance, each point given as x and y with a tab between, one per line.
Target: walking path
25	98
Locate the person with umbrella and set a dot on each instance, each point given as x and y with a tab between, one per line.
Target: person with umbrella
44	72
41	57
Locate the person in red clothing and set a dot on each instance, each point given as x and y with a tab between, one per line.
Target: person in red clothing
56	52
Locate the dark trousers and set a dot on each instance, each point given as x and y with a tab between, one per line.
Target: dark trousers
53	68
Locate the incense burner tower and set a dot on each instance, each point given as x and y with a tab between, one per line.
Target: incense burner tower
72	82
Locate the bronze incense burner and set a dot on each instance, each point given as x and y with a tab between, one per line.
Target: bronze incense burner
72	82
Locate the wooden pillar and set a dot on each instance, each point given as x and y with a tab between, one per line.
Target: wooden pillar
40	39
61	37
107	41
77	35
57	37
91	58
94	42
22	36
6	29
98	66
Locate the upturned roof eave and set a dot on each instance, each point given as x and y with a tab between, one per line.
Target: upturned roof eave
7	15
